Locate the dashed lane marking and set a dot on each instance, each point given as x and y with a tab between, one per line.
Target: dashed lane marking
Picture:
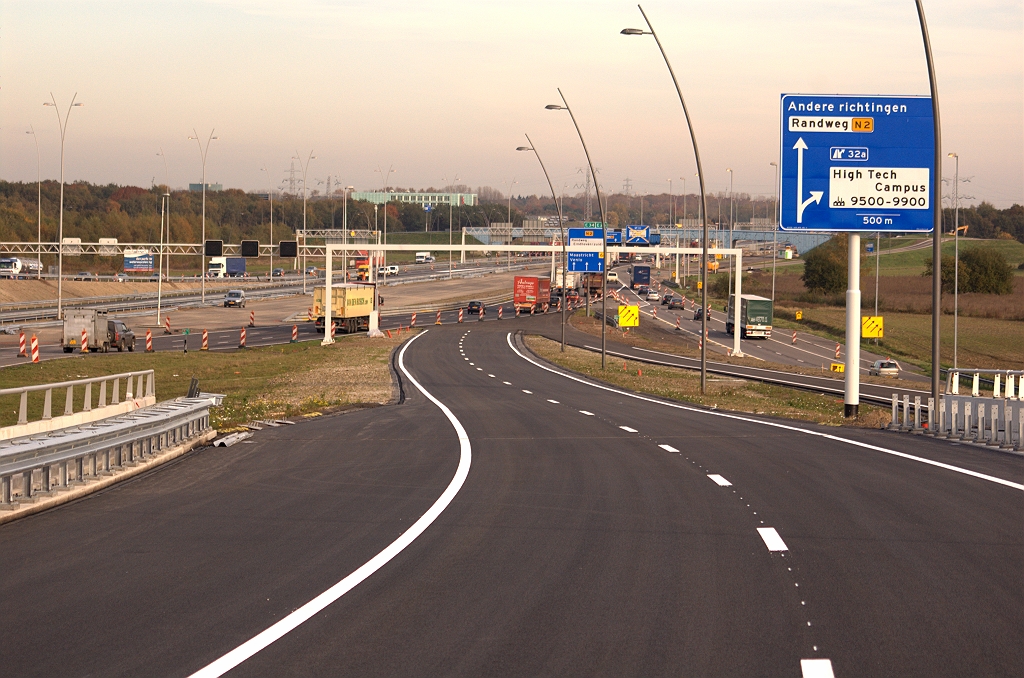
552	401
527	392
816	668
722	482
507	383
668	448
628	429
589	414
771	538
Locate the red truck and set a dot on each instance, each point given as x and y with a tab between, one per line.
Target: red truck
531	294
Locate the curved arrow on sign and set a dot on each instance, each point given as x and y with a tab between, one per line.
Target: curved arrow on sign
802	204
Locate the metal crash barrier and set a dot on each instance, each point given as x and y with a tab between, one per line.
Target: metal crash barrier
81	454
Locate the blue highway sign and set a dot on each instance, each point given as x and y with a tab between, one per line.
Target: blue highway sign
638	235
856	163
586	262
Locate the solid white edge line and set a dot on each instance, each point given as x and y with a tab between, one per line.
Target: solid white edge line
302	614
719	480
772	539
816	668
773	424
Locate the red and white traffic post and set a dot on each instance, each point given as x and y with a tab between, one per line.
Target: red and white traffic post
252	318
21	345
837	351
412	322
481	313
499	313
295	333
334	329
241	339
149	341
460	315
85	341
167	325
35	349
438	321
794	337
206	342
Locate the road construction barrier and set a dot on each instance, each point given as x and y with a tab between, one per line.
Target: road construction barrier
517	311
460	315
480	315
559	309
837	351
21	345
241	339
252	318
35	349
499	312
438	321
167	325
677	323
654	313
295	333
334	328
206	342
149	341
794	337
309	313
85	341
412	323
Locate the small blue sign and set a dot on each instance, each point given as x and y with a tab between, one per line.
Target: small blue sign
638	235
856	163
870	247
586	262
614	237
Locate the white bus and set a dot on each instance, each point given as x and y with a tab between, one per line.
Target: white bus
18	268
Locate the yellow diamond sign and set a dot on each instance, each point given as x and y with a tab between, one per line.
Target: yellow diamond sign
872	327
629	316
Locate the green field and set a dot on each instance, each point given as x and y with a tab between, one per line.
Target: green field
913	262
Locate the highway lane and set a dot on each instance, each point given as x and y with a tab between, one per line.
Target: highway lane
587	539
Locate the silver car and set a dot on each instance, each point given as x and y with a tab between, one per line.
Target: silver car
884	368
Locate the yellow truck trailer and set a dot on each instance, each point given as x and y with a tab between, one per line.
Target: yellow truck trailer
350	307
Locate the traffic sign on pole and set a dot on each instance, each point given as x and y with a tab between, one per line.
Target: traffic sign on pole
857	163
585	254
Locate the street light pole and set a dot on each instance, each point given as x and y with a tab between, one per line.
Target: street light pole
703	201
202	155
63	125
384	178
775	226
561	227
305	168
344	236
732	261
514	182
39	208
604	228
270	195
450	214
956	257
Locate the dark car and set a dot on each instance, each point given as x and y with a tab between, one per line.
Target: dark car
235	298
572	295
553	300
697	314
120	335
665	299
277	273
676	304
475	308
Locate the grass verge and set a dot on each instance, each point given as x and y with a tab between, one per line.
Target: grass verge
724	393
270	381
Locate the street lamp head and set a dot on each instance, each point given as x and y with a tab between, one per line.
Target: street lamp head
47	103
633	31
774	164
554	107
78	104
524	148
952	155
350	188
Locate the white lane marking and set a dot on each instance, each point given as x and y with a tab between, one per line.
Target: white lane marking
527	392
465	358
668	448
722	482
816	668
772	424
628	429
772	539
479	369
289	623
552	401
472	363
491	376
507	383
589	414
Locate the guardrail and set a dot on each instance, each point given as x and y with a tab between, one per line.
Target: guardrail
998	377
995	422
87	453
139	391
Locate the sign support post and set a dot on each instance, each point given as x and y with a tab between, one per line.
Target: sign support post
851	399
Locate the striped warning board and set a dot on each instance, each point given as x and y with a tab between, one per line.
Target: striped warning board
872	327
629	316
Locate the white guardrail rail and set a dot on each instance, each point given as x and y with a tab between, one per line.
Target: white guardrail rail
995	420
86	453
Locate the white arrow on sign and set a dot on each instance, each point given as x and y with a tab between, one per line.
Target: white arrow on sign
802	204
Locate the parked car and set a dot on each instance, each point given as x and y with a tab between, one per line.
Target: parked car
475	307
235	298
277	273
121	336
676	304
884	368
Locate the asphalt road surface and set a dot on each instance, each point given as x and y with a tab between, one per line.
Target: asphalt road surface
506	519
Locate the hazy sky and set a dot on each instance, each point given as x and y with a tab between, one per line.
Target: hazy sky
448	88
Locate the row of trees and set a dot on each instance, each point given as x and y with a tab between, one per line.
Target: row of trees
982	270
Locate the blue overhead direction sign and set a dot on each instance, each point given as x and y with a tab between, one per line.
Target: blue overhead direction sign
585	238
585	245
614	237
586	262
856	163
638	235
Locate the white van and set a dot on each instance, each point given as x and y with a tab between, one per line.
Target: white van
612	277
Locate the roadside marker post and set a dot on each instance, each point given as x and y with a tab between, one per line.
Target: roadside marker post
206	342
438	321
21	345
837	351
252	318
295	334
334	328
35	349
149	341
794	337
241	339
167	325
517	311
677	324
85	341
481	314
412	323
460	315
654	313
499	313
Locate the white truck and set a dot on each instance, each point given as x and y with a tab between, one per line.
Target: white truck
424	258
102	332
571	279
